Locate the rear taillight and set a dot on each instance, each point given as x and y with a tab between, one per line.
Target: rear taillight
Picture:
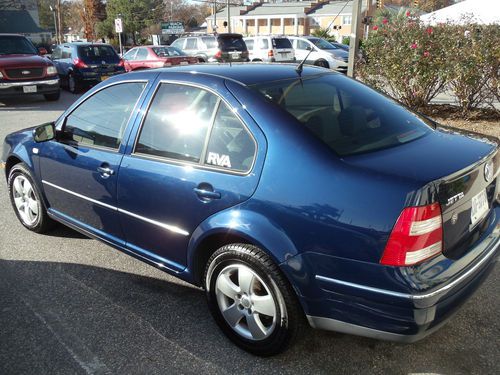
78	63
121	63
218	54
270	53
417	236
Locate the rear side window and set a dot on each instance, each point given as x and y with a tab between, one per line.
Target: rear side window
263	44
348	116
177	123
230	146
102	119
281	43
210	42
249	43
232	43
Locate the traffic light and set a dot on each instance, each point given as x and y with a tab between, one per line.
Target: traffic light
380	3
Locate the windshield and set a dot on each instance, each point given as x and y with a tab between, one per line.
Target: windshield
349	117
321	43
16	45
167	51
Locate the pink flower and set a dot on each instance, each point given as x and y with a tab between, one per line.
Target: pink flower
408	14
414	46
375	28
426	54
385	21
429	30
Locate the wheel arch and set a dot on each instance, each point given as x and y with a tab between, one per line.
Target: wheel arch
11	161
236	226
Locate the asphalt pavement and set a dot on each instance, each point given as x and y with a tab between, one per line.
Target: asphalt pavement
72	305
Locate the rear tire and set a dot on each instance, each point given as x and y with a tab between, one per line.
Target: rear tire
26	200
251	301
73	85
52	97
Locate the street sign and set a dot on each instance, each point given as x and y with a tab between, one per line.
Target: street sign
118	25
172	27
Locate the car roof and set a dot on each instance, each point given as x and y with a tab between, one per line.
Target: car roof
248	74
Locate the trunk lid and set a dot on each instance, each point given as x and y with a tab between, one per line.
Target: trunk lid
452	166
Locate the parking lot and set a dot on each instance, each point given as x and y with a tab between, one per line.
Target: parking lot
71	305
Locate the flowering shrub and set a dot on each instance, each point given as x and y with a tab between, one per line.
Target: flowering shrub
415	62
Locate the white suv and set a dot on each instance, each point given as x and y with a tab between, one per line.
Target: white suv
270	49
322	54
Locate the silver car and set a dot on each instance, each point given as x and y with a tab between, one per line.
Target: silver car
321	53
208	48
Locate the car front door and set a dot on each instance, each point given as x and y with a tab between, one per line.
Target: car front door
193	156
129	59
79	168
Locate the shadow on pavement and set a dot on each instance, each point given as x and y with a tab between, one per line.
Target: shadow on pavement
38	103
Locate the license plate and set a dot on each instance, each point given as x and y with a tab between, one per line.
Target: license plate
103	78
184	62
479	207
235	56
28	89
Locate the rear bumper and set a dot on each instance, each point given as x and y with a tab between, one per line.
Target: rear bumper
15	88
391	313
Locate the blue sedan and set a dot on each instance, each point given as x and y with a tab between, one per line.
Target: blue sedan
291	196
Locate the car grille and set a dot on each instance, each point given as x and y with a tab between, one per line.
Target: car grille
25	73
345	59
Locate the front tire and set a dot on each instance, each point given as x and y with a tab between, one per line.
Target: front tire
251	300
26	200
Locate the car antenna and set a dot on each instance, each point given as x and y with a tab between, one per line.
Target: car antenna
300	67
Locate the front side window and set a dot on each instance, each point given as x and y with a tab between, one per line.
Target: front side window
101	120
57	53
348	116
230	145
142	54
177	123
130	55
321	43
302	45
178	43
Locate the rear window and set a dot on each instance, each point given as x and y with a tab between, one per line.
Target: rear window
168	51
96	52
15	45
348	116
232	43
282	43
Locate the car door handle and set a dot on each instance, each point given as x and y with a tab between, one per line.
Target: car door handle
207	194
105	171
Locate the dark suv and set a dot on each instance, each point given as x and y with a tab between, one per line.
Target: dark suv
85	64
24	71
208	48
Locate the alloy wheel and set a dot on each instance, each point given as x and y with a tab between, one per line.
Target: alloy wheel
25	200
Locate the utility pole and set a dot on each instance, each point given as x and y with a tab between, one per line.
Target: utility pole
59	23
55	24
228	17
214	26
354	42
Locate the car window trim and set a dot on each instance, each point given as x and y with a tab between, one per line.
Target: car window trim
104	148
201	164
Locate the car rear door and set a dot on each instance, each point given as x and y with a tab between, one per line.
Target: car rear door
196	153
80	168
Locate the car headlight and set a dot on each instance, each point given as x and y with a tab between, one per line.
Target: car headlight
51	70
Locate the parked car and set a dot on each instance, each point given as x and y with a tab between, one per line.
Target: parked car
284	194
81	65
209	48
24	70
321	53
270	49
146	57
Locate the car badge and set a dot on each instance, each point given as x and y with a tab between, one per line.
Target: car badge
488	171
103	62
24	72
454	218
455	198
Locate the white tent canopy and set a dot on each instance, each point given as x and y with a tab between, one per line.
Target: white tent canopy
483	12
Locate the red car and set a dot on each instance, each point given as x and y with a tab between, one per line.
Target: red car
24	71
146	57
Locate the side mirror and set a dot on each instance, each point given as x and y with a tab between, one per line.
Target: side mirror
309	48
44	133
42	51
